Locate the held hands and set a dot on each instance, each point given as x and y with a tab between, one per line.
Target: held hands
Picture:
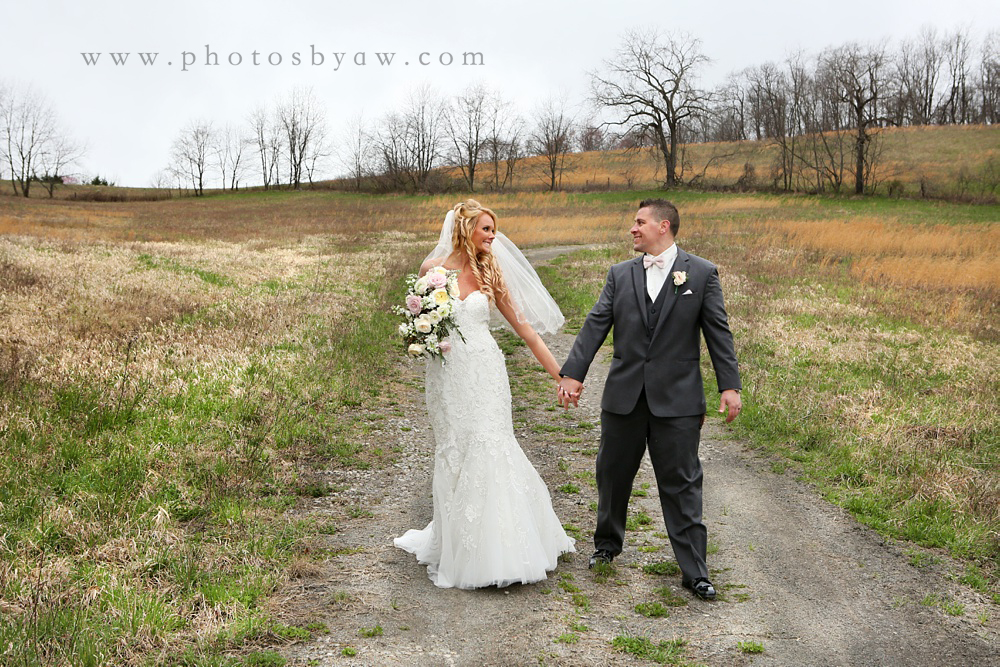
568	392
730	404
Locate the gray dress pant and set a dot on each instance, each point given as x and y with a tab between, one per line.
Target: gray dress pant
673	451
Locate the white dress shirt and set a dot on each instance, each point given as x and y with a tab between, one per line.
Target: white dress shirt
655	276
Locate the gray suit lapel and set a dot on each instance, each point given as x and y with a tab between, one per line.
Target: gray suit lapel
682	263
639	282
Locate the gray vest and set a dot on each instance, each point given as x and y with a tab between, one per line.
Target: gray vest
653	308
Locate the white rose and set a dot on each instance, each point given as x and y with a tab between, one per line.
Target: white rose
444	310
423	324
403	329
421	285
441	270
434	316
453	289
415	349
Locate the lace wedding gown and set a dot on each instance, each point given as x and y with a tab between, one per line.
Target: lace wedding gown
493	520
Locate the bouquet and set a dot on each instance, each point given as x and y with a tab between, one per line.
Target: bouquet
429	309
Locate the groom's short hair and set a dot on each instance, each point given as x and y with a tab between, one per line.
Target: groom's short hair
664	210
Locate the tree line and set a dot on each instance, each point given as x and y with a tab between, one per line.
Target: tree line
287	144
822	112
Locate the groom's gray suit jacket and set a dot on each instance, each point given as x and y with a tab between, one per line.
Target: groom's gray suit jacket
656	345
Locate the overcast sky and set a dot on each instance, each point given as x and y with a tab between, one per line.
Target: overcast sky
128	115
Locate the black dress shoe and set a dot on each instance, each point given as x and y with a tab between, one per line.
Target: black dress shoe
701	587
602	556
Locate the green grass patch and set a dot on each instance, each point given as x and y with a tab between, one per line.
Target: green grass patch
638	521
668	652
669	597
652	610
148	261
663	568
573	531
375	631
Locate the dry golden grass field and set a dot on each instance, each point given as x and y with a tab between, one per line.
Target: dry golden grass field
168	367
947	160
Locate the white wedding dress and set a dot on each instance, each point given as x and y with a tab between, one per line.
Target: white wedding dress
493	520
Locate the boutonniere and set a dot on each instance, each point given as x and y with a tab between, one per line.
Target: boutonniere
680	277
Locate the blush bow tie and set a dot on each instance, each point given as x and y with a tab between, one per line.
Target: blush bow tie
648	261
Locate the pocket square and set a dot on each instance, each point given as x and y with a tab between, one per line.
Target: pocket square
687	292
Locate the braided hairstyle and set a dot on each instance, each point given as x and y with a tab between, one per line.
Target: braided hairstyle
483	264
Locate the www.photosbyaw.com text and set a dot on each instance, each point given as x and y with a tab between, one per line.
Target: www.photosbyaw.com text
333	60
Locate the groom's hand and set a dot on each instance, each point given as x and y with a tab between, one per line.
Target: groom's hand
730	404
568	392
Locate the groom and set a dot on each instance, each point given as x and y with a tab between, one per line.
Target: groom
653	397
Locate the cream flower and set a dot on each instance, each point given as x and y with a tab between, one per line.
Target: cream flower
680	277
421	285
415	349
453	288
440	296
423	324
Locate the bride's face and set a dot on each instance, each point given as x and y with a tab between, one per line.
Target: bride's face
484	233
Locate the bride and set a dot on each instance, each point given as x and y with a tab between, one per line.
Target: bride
493	520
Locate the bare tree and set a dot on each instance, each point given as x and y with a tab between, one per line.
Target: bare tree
229	149
161	179
503	145
732	109
467	123
303	123
650	84
857	78
409	143
956	105
393	156
551	137
191	152
424	117
917	71
989	78
176	174
357	155
318	157
594	137
30	139
53	161
267	139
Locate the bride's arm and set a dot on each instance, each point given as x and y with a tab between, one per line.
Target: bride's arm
531	338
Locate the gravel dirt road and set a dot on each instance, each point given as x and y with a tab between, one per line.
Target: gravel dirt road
798	575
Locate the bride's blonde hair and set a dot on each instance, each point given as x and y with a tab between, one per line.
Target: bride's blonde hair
483	264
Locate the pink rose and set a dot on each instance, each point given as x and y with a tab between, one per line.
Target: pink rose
444	346
437	280
413	303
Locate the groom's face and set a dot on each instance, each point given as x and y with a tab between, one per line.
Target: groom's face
647	232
